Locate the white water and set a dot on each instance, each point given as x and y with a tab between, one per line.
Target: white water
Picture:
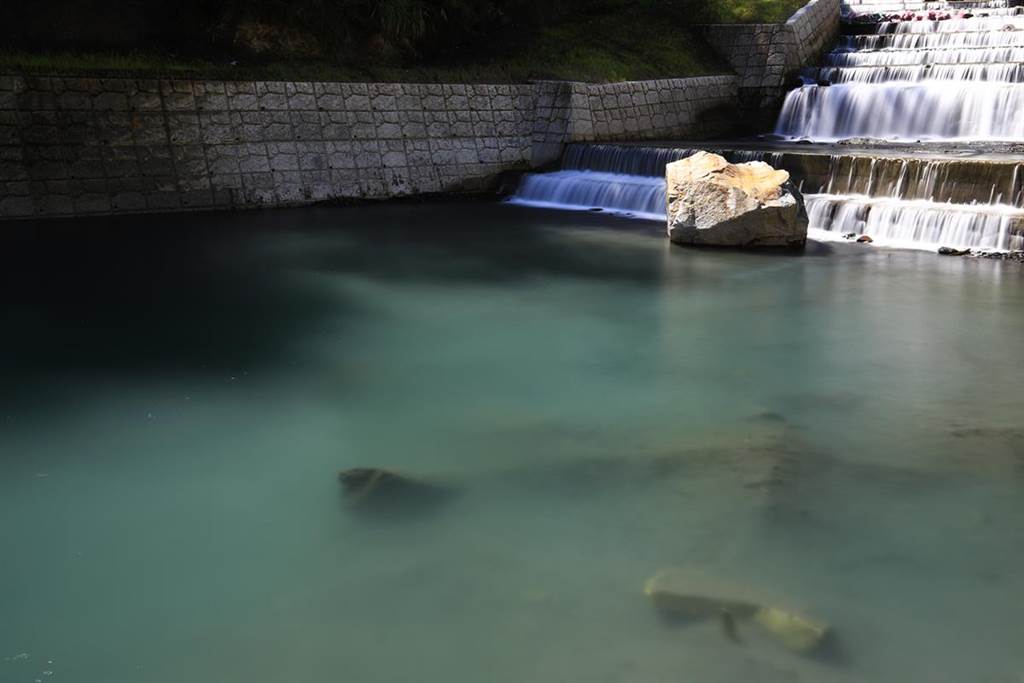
899	209
618	179
960	79
915	56
904	111
912	224
633	195
997	73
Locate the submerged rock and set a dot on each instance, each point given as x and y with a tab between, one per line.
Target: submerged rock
795	631
373	488
712	202
694	595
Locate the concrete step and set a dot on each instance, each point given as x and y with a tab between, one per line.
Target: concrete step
997	72
918	57
932	41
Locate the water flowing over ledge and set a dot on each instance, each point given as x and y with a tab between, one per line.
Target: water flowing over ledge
959	79
637	196
914	224
952	81
897	201
937	110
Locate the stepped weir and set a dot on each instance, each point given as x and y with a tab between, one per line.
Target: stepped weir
910	131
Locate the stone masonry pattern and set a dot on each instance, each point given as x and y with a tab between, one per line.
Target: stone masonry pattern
768	56
79	146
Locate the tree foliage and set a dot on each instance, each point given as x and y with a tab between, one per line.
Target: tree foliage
400	29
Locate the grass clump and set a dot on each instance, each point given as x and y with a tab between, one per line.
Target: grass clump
751	11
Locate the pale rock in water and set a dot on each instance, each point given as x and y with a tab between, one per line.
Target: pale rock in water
697	595
715	203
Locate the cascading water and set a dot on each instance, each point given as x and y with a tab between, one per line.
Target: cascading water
923	73
911	79
618	179
891	199
917	79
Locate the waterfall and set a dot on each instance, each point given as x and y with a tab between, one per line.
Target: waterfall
915	224
899	110
918	79
898	202
621	179
960	78
641	196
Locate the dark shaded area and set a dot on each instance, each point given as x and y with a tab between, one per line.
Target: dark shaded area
217	294
151	295
392	31
130	24
385	495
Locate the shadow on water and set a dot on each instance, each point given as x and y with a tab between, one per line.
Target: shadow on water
484	244
150	295
218	293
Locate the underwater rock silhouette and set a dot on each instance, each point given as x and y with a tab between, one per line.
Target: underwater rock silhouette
382	491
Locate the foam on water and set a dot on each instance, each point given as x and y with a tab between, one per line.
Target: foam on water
634	195
959	79
953	80
903	111
915	224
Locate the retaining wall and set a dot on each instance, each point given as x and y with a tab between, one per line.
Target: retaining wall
768	57
77	146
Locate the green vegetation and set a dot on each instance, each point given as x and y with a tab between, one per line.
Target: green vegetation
751	11
595	49
381	40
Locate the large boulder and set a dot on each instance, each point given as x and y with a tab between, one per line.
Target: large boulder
715	203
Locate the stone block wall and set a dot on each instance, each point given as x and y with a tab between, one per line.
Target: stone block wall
767	57
660	109
77	146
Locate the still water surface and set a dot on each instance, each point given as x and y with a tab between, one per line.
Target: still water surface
841	428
